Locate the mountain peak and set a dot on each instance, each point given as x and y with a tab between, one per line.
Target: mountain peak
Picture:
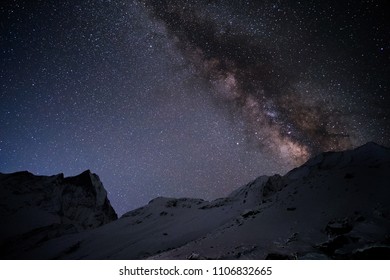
84	178
372	147
44	207
368	154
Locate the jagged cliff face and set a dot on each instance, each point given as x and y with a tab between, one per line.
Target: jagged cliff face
335	206
35	209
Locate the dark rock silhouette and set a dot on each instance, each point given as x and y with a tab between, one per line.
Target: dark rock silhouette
35	209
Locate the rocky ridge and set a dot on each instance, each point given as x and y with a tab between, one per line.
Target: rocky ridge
35	209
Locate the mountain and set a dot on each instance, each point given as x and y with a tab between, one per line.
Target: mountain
36	209
335	206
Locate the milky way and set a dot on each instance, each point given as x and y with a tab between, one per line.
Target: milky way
237	52
188	98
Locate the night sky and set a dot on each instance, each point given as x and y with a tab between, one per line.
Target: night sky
188	98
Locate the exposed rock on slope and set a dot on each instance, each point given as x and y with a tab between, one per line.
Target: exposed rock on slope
335	206
35	209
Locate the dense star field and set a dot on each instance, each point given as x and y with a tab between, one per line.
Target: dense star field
188	98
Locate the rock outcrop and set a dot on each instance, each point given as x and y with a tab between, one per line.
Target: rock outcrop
35	209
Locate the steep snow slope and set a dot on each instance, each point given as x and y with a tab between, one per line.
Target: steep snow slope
334	206
34	209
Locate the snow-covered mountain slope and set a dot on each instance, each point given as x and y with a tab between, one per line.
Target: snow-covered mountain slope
35	209
334	206
163	224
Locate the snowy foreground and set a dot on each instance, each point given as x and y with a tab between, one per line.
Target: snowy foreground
335	206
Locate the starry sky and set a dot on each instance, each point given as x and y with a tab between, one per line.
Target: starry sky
188	98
